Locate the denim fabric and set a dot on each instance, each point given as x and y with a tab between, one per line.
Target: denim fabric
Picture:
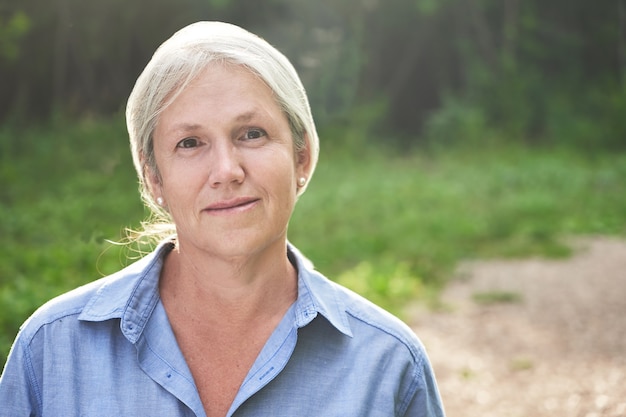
107	349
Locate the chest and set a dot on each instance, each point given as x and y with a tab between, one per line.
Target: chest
219	362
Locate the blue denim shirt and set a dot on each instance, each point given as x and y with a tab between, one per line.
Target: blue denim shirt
107	349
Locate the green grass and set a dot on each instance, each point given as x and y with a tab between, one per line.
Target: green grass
391	226
63	191
427	210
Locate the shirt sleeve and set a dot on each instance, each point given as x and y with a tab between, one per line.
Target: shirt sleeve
426	400
17	395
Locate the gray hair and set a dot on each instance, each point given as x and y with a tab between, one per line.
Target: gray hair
177	62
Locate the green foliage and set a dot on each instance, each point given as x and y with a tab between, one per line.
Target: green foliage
456	123
598	121
357	129
220	4
428	209
524	70
386	282
390	226
64	190
10	33
590	119
428	7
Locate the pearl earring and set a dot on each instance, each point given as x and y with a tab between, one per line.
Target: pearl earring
301	181
160	201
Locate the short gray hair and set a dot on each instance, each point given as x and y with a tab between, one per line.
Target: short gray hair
179	60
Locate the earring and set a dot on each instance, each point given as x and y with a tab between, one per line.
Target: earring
301	181
160	201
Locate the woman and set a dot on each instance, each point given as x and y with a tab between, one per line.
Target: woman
225	317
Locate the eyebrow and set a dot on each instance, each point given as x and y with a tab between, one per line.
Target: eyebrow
243	117
247	116
185	127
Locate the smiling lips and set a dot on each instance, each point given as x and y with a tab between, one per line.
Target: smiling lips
234	205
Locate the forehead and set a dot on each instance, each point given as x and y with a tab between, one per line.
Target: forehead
221	92
219	79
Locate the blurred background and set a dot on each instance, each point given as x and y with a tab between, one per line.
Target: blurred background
418	69
450	129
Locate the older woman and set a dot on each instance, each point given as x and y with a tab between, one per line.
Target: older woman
225	317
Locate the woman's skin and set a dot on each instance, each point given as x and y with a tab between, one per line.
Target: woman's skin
227	172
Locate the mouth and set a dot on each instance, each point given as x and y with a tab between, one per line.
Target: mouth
235	205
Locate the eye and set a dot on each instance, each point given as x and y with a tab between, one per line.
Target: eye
254	133
187	143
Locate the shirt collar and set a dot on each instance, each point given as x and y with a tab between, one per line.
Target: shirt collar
132	294
317	294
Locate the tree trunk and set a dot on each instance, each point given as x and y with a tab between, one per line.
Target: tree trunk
621	44
60	57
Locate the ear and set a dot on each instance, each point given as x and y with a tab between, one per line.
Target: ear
303	159
151	178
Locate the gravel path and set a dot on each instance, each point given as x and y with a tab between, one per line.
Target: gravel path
557	349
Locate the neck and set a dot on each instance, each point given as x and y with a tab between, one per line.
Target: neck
241	289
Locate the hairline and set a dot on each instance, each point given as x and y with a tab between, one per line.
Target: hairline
298	133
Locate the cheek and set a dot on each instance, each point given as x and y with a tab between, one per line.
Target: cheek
180	175
282	173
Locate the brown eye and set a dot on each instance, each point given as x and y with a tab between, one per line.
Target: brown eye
187	143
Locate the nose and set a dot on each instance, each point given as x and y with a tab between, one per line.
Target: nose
225	165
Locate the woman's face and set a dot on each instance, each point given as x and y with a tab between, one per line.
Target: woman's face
227	164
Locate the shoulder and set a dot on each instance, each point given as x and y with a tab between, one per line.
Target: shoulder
385	351
65	305
349	312
364	314
105	297
370	327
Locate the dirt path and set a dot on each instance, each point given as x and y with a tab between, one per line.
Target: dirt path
559	350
